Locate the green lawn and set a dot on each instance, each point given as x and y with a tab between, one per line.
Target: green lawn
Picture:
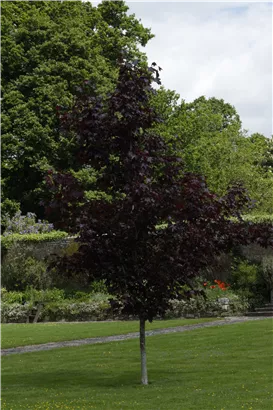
223	368
28	334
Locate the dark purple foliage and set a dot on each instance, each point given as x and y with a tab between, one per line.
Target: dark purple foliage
120	241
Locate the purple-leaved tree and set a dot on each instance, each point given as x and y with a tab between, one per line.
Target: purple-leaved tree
121	241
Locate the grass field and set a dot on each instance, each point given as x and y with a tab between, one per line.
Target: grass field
223	368
27	334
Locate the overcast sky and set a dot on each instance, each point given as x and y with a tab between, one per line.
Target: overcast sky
216	49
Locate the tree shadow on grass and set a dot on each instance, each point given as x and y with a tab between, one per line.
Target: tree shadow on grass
112	378
109	378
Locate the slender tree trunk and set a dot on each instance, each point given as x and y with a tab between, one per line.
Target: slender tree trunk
271	295
144	375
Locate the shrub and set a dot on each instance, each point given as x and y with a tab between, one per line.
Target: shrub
98	287
14	313
248	283
56	307
210	303
244	274
87	296
199	306
267	270
76	311
24	259
80	296
11	297
26	224
20	270
48	295
98	306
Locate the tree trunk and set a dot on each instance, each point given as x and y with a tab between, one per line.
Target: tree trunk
144	375
271	295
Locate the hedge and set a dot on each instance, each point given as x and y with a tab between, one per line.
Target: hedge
8	241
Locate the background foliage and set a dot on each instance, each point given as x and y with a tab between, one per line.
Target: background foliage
48	49
208	135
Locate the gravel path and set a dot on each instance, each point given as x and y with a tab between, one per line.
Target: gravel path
106	339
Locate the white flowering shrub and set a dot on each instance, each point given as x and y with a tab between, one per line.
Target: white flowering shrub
200	306
14	312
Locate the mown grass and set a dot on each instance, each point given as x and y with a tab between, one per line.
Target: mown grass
223	368
28	334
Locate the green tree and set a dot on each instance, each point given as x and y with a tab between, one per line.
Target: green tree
48	49
188	122
207	134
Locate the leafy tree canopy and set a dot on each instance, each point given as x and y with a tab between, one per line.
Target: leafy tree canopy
120	242
48	49
208	136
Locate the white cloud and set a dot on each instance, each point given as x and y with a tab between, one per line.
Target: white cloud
221	49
